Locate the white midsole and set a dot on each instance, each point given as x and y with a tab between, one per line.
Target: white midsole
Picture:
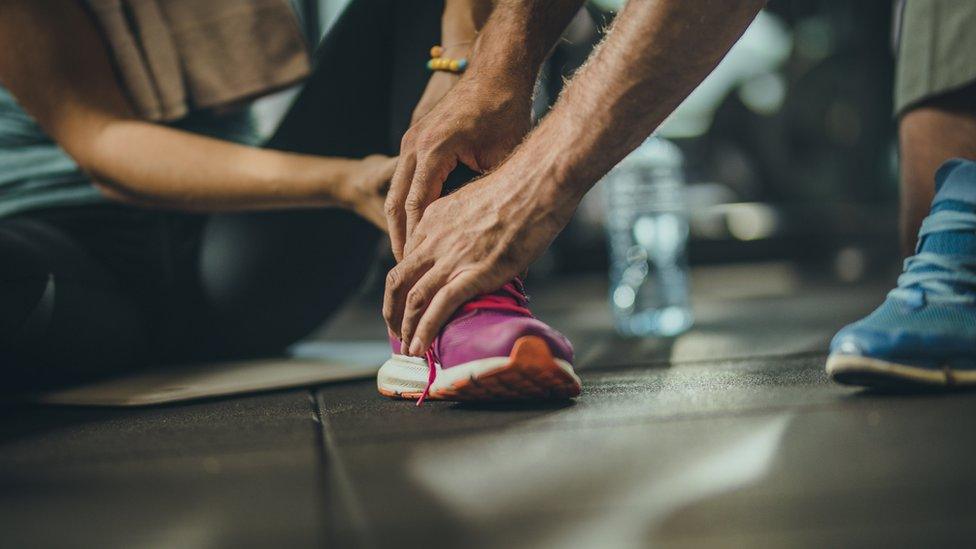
407	374
841	363
402	374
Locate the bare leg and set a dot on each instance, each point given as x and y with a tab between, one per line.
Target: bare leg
930	134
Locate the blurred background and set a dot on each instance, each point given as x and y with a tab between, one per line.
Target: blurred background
789	146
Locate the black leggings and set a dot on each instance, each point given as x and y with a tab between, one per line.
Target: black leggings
89	291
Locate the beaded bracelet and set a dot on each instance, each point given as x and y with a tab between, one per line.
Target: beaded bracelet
446	64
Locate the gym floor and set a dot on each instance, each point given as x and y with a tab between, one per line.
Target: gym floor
730	435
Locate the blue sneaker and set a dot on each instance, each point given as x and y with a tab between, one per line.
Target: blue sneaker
924	334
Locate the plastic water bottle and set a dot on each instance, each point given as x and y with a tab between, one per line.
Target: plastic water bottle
647	227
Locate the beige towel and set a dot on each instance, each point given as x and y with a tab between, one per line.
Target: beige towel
175	56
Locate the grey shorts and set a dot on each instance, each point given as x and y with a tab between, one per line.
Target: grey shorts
935	44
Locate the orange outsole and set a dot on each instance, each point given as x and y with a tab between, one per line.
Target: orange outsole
531	373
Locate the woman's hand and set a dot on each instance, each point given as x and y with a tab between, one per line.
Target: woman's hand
366	187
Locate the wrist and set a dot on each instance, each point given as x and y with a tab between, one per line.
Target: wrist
519	80
496	63
554	194
335	181
510	91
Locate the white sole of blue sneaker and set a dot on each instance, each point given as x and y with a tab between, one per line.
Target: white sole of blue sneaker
871	372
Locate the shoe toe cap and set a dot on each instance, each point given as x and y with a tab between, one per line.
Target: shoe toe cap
917	346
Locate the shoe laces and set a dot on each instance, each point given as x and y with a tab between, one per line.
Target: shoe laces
935	277
510	297
431	374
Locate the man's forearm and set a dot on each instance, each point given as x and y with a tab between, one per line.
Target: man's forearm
655	55
518	37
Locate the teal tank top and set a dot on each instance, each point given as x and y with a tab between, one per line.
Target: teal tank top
35	173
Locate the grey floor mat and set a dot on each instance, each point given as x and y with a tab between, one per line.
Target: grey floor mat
730	436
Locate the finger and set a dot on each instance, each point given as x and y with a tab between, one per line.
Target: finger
418	298
428	180
395	214
441	307
398	282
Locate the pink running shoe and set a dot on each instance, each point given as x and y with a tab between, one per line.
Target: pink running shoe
491	349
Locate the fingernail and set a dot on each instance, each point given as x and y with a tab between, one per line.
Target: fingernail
415	347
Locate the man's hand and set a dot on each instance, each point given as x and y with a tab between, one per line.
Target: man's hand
477	124
470	242
481	120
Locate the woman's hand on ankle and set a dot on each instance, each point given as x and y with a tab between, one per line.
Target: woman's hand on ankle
366	185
